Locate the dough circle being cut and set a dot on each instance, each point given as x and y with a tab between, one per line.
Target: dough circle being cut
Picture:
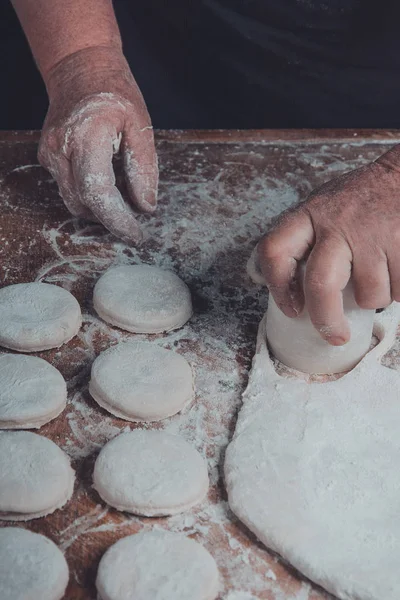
150	473
31	566
37	316
142	299
32	392
141	382
157	565
36	477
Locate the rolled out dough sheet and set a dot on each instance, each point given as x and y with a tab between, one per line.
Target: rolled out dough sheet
313	470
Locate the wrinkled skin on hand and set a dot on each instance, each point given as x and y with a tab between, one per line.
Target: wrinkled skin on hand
349	227
95	109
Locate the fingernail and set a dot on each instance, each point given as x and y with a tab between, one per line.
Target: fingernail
336	340
136	240
290	311
150	201
150	207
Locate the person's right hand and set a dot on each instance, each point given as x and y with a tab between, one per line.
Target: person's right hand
95	108
347	228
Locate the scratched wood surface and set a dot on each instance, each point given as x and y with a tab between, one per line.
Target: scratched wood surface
219	192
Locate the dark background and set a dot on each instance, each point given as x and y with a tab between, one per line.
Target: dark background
238	63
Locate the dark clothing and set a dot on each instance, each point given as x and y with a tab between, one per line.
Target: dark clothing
240	63
23	98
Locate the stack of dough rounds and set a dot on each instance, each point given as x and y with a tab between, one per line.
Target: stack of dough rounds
31	566
142	299
32	392
157	565
37	316
141	382
36	477
150	473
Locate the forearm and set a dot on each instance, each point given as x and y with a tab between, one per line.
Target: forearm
94	106
57	29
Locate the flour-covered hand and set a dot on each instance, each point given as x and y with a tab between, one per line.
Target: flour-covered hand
349	227
96	108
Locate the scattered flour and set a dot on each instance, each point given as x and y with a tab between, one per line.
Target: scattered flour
203	231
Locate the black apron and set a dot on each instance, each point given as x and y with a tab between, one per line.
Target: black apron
241	63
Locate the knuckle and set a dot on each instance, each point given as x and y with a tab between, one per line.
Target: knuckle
314	196
321	196
270	248
42	157
42	152
318	283
48	147
50	140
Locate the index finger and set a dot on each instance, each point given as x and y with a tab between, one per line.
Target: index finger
328	271
94	176
279	255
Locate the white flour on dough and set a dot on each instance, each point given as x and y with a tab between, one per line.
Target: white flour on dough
150	473
37	316
138	381
313	470
32	392
36	477
159	565
142	299
31	566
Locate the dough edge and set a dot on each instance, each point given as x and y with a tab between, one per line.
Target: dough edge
142	511
111	408
213	585
10	516
34	423
138	328
12	344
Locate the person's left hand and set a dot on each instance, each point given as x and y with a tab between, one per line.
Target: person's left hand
95	106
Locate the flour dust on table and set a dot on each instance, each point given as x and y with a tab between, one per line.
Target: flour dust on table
150	473
142	299
32	392
313	470
31	566
139	381
37	316
36	477
157	564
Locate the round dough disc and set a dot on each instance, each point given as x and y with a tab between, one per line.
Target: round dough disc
36	477
31	566
37	316
141	382
142	299
157	565
150	473
32	392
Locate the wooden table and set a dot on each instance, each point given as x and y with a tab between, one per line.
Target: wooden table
218	194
